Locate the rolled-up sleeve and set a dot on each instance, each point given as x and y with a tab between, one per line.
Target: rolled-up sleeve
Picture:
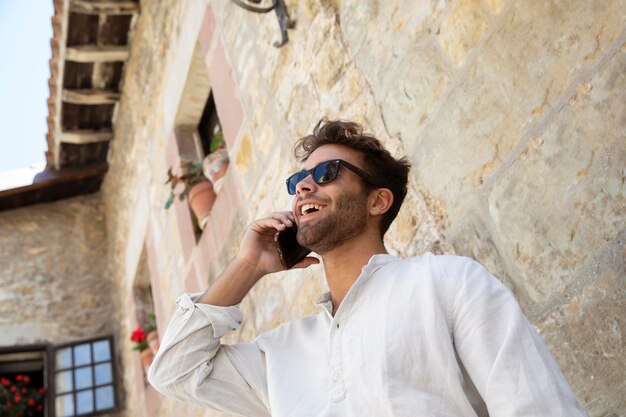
193	366
503	354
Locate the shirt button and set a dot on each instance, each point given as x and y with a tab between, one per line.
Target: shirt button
336	377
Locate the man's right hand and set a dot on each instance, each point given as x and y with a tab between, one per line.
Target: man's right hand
256	258
258	247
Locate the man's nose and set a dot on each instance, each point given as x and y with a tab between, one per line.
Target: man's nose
307	185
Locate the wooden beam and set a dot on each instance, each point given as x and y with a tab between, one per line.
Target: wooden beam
81	137
105	7
94	53
88	96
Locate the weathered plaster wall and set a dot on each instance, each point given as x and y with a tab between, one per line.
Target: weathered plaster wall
512	113
54	274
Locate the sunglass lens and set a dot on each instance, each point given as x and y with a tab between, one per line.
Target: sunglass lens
293	181
325	172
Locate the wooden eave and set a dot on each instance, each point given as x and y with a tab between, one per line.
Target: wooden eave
90	45
51	185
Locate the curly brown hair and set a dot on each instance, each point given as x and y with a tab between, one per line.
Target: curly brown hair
390	173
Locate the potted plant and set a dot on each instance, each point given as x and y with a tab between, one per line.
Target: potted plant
141	345
195	187
215	164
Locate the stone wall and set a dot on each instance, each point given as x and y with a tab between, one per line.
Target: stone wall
54	270
512	113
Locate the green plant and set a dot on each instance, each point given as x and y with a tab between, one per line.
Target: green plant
217	142
191	175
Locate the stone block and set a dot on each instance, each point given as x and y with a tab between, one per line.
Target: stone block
462	29
363	110
419	226
350	88
298	104
272	63
411	89
247	164
266	141
329	61
401	64
586	332
269	191
526	68
244	158
256	100
564	198
315	40
496	6
384	29
305	11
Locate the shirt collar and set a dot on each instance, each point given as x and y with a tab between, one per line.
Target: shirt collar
325	302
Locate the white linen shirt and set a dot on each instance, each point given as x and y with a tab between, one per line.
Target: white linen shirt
428	336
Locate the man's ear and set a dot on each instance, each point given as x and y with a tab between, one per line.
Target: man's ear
381	200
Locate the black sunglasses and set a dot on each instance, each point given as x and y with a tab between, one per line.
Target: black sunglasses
326	172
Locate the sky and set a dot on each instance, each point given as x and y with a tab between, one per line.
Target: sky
25	32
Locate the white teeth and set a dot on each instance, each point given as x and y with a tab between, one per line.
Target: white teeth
306	207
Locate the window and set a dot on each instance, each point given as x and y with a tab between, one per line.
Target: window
84	378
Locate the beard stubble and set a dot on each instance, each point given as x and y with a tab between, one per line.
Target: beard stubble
332	231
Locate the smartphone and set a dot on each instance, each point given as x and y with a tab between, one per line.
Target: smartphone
289	251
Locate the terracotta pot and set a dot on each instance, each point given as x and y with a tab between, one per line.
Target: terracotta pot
147	357
201	198
214	167
153	341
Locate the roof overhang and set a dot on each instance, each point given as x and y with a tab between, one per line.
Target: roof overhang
90	45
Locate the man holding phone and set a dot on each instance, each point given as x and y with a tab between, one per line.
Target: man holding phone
427	336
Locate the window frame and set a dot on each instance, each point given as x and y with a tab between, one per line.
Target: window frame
114	376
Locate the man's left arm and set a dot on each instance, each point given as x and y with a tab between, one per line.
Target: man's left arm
507	360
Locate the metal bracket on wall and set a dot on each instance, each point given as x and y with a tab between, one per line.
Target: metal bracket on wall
281	14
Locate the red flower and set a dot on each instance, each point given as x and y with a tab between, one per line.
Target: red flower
18	378
40	407
32	402
42	390
17	398
26	379
138	335
9	404
4	381
24	390
13	388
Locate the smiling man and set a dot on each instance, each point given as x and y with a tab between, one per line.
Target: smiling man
426	336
